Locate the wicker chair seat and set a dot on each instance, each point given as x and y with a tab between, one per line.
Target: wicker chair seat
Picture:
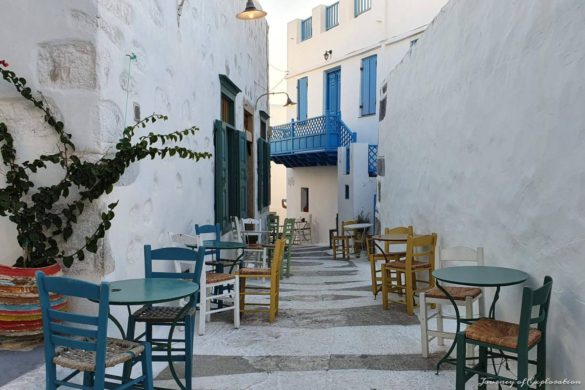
255	271
117	351
160	313
216	277
500	333
402	265
458	293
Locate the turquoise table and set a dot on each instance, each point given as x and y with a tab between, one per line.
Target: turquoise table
476	276
225	245
150	291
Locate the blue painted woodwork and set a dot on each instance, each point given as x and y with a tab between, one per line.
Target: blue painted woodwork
61	329
310	142
332	16
302	101
368	85
373	160
306	29
333	91
187	319
215	230
361	6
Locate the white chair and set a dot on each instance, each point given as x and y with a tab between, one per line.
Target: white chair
256	249
463	296
210	280
303	228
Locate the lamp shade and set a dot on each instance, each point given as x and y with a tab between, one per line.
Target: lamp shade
289	102
251	12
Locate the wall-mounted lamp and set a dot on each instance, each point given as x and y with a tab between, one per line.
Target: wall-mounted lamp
288	103
251	12
327	54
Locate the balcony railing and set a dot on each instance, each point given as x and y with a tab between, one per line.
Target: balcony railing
310	142
332	16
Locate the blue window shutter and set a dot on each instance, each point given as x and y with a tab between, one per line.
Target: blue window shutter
243	172
260	172
302	86
221	174
368	85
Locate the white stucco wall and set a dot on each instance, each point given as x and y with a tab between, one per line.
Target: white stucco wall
362	187
484	140
322	184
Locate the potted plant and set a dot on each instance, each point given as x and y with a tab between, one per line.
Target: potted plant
45	216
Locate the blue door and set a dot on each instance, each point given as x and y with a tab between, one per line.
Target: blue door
302	85
333	91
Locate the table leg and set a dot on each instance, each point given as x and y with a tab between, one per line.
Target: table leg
492	312
445	358
188	359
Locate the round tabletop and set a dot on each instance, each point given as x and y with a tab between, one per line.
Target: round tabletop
216	244
357	226
481	276
150	290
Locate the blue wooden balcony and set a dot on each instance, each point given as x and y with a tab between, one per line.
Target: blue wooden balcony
311	142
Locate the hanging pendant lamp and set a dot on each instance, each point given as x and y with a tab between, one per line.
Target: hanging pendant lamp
251	12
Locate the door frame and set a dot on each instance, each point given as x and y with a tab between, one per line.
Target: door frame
325	84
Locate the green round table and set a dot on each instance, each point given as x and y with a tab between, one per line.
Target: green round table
148	291
476	276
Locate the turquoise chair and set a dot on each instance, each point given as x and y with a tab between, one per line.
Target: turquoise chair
216	261
491	335
168	316
79	341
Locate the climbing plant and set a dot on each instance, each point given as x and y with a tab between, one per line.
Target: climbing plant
46	216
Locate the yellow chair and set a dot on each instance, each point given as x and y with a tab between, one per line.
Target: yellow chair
342	241
420	257
375	256
273	274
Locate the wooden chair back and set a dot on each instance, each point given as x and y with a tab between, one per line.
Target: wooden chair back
344	224
74	329
276	264
531	298
421	248
460	254
408	230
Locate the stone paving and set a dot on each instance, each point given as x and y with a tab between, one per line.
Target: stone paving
330	334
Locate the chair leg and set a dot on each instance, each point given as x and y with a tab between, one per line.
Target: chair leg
202	311
541	363
50	375
460	370
130	330
146	360
483	363
424	326
523	370
87	379
482	305
334	247
409	293
440	340
469	314
236	302
272	310
189	331
373	276
242	295
385	283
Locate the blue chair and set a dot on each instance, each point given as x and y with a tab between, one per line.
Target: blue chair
169	315
214	232
79	341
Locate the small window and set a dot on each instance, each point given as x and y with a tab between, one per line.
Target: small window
304	199
306	29
361	6
346	191
332	16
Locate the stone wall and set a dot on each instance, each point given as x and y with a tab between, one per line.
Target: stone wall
484	140
76	53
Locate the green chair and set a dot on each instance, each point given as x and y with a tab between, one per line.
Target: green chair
491	335
288	234
273	227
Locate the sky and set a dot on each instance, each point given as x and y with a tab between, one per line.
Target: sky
280	12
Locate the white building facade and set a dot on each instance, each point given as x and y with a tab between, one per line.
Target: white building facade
197	64
335	59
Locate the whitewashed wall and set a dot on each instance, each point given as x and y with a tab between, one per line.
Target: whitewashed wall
76	54
484	141
322	184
